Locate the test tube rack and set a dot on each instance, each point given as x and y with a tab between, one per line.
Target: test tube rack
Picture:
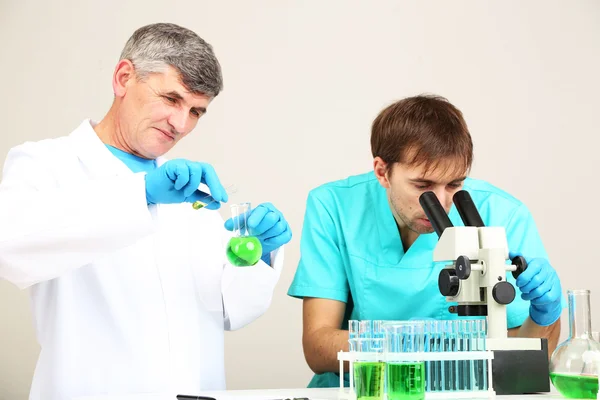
454	352
352	357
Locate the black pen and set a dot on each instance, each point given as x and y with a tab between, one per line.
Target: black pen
188	397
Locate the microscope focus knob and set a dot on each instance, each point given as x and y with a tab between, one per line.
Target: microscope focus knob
503	292
448	282
463	267
521	264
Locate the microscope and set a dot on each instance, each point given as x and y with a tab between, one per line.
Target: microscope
476	280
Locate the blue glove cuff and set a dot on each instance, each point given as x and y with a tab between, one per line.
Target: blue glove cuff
148	200
545	316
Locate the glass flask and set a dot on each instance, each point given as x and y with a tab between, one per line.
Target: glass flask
575	363
243	249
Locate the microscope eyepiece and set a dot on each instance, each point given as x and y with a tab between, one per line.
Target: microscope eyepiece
466	209
435	212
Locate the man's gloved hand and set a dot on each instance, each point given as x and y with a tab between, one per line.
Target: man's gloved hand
540	285
270	227
177	181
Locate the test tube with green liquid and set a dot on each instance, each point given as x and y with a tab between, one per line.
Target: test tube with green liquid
197	205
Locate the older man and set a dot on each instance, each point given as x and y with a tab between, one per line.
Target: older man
130	287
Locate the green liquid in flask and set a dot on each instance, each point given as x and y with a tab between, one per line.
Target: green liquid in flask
575	386
406	381
369	380
244	251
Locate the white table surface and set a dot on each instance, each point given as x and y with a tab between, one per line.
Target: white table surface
272	394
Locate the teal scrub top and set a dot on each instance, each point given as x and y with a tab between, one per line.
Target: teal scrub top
351	251
134	163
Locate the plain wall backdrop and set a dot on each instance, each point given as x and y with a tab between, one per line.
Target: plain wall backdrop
303	82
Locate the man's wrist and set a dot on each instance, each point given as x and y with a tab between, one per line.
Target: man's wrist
545	316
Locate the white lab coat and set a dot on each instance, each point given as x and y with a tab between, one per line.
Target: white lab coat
126	297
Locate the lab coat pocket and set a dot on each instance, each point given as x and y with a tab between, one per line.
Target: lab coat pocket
207	280
193	253
207	271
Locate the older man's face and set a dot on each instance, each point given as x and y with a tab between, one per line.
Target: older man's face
157	112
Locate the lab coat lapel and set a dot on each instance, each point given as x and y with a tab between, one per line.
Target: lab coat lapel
94	155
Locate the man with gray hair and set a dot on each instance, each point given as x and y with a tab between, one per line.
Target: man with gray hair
130	287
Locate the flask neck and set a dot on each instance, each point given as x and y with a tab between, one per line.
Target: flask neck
240	214
580	320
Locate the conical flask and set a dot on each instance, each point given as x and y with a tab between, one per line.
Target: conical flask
575	363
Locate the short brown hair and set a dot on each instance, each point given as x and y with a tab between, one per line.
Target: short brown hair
422	130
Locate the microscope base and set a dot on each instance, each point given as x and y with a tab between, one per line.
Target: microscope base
521	371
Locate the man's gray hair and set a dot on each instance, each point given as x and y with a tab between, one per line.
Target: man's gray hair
152	48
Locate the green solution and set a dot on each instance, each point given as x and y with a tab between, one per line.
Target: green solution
406	381
198	205
369	380
575	386
244	251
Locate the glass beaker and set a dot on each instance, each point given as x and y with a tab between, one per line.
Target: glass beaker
369	376
243	249
406	378
573	365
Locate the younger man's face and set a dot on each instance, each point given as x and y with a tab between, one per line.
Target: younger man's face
407	183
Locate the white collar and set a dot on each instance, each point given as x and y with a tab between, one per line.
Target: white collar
94	154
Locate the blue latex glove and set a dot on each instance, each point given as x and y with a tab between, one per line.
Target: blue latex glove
270	227
177	181
539	284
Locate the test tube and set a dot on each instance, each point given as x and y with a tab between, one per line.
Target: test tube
466	373
471	325
231	189
353	329
442	379
377	346
460	369
457	346
427	349
482	364
377	329
450	346
437	347
365	329
462	364
363	345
